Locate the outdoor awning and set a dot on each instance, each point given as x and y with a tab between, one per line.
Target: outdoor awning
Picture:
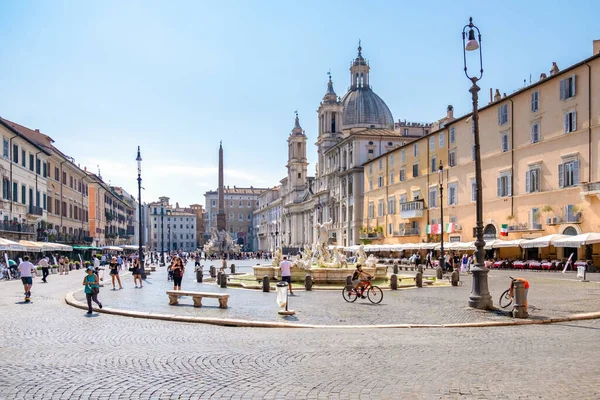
543	241
86	248
132	247
34	247
578	240
500	244
6	244
115	248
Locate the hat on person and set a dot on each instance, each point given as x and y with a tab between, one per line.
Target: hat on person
90	268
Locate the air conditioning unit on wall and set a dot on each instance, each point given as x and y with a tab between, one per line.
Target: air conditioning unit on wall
457	227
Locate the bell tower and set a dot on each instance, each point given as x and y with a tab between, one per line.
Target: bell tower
330	123
297	163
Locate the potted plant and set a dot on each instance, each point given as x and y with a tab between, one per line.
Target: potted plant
54	269
77	265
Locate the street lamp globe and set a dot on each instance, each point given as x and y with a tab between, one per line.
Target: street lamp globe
472	43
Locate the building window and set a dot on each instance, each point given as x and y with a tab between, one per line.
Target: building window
432	143
442	139
45	170
15	153
5	149
15	192
504	185
415	170
473	153
473	190
370	184
452	158
391	159
405	131
402	200
371	209
64	178
402	156
370	168
534	218
504	142
503	114
214	203
535	101
5	188
571	121
380	208
371	151
535	132
402	175
533	179
380	164
567	88
23	158
433	164
416	194
568	173
390	229
392	205
415	150
31	162
452	194
452	135
380	181
433	197
391	178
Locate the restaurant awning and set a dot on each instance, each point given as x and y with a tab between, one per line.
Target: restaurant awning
9	245
578	240
543	241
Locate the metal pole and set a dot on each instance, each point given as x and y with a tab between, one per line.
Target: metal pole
162	236
442	259
140	250
480	296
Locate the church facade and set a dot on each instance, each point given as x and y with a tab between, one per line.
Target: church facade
353	129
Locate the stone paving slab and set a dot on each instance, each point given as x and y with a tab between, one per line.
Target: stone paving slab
552	295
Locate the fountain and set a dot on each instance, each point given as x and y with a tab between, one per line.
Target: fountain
220	243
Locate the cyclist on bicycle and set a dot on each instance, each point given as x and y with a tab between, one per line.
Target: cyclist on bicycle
359	278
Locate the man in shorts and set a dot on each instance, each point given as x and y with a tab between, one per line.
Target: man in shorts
286	273
26	269
359	278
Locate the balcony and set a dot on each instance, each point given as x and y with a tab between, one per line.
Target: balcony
522	227
33	210
412	209
371	236
6	226
590	189
407	232
572	218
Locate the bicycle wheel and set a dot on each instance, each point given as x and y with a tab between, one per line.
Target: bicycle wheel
505	299
349	294
375	294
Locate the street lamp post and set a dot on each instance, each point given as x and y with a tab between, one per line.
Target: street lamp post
162	236
480	296
139	179
442	259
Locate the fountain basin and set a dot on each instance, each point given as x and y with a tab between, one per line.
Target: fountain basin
319	275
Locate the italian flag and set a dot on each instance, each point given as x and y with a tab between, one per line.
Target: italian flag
434	229
504	230
450	227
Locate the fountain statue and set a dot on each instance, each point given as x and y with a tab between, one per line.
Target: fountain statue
220	243
277	257
320	250
372	261
339	259
361	256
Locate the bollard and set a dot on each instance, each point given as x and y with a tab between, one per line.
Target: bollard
454	278
232	268
223	280
266	286
419	279
219	276
308	282
420	268
199	275
394	282
213	271
349	281
395	269
520	304
439	274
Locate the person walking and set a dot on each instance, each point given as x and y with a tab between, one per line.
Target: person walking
91	288
223	264
137	272
45	268
428	257
178	271
114	273
26	270
286	273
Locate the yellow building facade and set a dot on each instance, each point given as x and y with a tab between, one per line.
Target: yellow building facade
540	150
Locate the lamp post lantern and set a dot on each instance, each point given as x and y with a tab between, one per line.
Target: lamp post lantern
480	296
442	259
139	179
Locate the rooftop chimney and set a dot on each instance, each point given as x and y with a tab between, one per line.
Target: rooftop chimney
37	130
596	46
450	112
554	69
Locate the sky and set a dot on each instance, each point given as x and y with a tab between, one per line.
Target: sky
176	77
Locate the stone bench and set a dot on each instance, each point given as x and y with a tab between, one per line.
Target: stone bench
174	296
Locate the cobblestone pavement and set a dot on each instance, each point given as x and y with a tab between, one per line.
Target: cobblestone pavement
551	295
50	350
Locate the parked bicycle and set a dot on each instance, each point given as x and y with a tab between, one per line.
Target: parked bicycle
506	298
374	293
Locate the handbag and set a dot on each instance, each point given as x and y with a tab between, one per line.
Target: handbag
95	290
131	269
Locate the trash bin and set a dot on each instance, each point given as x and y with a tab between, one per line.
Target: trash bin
282	294
581	272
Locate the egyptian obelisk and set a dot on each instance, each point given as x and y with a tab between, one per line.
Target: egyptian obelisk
221	212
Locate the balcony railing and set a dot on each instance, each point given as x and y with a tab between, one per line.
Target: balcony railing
592	188
34	210
371	236
412	209
6	226
407	232
573	218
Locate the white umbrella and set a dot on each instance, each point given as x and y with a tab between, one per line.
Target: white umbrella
543	241
578	240
499	244
6	244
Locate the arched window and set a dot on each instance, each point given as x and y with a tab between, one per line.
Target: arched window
333	122
489	232
570	231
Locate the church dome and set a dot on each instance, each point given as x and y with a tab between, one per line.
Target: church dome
363	108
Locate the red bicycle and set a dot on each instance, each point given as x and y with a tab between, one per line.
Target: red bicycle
374	293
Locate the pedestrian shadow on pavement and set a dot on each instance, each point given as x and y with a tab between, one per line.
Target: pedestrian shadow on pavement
578	326
23	302
94	315
291	318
